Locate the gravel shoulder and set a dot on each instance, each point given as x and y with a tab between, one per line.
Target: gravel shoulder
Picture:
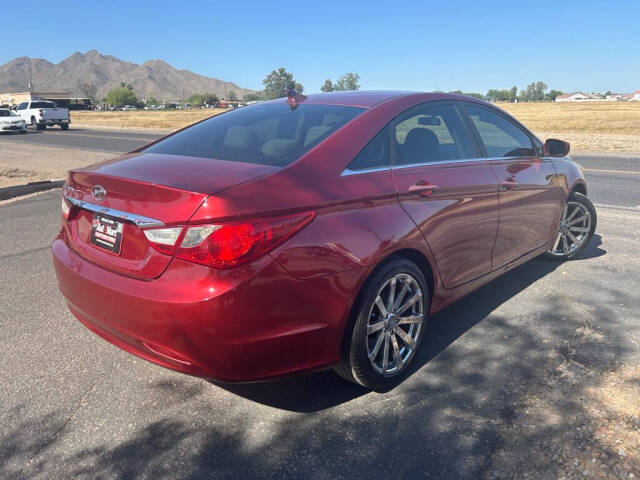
22	163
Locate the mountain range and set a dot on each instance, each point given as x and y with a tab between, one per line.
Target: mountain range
153	78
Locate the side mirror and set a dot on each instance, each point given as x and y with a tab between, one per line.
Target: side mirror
555	148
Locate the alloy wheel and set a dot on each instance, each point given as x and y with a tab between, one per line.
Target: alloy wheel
394	324
573	229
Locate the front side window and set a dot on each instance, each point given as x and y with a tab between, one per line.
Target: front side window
7	113
266	134
22	106
501	137
431	133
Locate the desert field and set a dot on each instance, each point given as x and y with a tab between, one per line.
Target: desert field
589	126
143	119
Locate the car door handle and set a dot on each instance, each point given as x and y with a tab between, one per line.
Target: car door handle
422	188
508	184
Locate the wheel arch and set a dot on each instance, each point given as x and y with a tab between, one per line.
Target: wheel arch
411	254
579	187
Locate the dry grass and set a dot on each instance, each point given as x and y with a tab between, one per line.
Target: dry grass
589	126
153	120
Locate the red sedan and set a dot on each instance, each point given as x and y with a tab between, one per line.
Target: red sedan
311	232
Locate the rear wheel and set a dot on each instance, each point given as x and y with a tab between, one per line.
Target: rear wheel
576	228
390	320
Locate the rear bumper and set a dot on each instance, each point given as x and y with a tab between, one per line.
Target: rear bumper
54	121
252	323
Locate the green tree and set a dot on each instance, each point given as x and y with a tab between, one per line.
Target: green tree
195	99
121	96
210	98
152	101
231	95
252	97
278	83
551	96
348	81
328	86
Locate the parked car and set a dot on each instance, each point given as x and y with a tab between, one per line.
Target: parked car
312	232
11	122
42	114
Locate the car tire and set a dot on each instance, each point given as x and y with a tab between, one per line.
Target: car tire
64	126
24	130
577	226
383	326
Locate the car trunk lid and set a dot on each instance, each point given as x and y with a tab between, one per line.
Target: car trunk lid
139	194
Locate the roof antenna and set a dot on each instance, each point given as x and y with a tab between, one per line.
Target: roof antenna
295	99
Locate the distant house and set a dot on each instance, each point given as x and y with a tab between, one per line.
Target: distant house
636	96
614	97
573	97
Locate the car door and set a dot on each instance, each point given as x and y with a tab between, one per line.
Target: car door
21	110
529	199
447	189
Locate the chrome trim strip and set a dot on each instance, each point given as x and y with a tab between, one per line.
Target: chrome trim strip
139	220
347	171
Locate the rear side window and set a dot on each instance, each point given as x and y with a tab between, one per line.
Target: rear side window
43	105
374	155
501	137
266	134
431	133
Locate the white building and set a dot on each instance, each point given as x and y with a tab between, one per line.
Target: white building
573	97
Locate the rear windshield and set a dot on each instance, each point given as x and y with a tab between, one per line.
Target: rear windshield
269	134
43	105
7	113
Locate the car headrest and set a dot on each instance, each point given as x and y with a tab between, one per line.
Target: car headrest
314	133
277	147
420	145
240	137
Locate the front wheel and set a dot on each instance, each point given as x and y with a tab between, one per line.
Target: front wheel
390	319
576	228
64	126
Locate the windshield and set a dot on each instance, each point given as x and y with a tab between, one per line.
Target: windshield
7	113
267	134
43	105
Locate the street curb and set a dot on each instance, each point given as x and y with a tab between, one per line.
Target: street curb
18	190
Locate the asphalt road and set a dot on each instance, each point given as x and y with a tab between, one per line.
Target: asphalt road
74	406
612	180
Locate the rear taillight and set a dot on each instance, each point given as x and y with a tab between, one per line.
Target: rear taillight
163	239
40	112
229	245
65	209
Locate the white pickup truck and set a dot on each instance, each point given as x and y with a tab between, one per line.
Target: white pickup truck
40	114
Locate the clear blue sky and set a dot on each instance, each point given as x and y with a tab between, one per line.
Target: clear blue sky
419	45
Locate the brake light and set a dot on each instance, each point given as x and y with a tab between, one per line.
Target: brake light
40	112
230	245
